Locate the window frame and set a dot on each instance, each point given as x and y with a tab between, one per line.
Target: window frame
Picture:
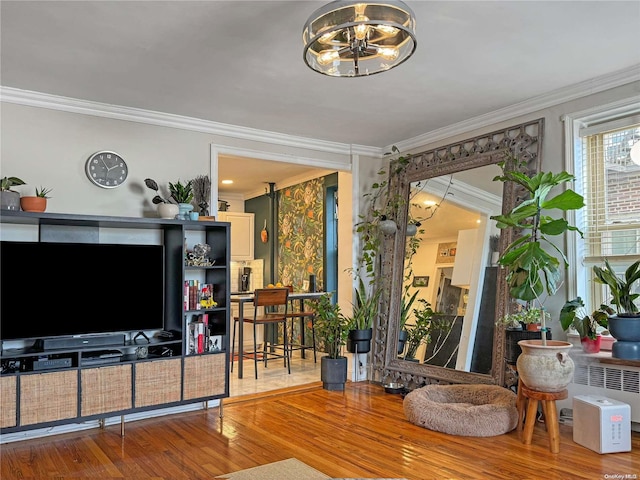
579	278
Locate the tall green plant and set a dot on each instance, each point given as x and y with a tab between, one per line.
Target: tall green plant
531	269
330	326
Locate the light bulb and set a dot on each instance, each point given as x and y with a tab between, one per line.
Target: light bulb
362	29
388	53
387	29
326	57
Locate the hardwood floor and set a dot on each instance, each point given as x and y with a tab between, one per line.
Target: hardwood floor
361	433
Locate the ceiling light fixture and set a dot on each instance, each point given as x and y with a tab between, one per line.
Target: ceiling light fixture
355	39
227	182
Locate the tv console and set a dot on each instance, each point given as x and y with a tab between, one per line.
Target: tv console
58	343
94	376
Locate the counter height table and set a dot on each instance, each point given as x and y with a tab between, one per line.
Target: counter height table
245	297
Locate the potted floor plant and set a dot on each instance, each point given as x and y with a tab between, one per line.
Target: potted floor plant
37	203
624	325
532	271
331	330
587	325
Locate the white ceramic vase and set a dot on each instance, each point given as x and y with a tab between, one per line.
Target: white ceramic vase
167	210
545	368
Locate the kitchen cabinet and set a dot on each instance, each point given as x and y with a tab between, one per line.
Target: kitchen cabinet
242	234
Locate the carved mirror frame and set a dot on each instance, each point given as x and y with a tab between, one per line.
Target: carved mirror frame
524	142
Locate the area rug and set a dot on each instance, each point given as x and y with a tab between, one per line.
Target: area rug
290	469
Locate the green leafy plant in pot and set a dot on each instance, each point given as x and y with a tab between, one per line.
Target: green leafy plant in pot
625	324
331	329
9	198
531	270
574	316
418	333
360	323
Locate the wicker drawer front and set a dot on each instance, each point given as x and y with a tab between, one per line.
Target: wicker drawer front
8	401
158	382
204	376
47	397
106	389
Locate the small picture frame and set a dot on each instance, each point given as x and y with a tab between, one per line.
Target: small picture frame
420	281
446	252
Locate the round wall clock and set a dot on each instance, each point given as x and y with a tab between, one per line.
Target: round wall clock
106	169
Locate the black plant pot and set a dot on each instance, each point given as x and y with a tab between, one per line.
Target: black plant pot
359	341
402	340
333	373
511	349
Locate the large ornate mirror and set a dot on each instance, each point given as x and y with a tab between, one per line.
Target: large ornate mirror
450	190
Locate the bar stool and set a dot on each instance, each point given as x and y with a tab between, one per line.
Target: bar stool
528	399
274	303
303	315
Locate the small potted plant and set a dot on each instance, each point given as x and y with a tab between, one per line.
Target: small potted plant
331	329
575	316
10	199
183	195
167	208
37	203
624	325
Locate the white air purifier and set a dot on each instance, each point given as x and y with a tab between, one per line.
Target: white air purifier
601	424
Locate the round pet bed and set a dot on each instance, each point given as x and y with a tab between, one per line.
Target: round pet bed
466	410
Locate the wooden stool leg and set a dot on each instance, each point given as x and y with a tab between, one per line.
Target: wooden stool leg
553	430
521	403
545	416
530	421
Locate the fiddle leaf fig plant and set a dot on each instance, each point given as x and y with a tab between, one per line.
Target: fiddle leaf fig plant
532	270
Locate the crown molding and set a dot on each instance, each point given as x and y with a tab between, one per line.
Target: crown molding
149	117
85	107
556	97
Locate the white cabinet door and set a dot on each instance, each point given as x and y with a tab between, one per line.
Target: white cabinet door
242	234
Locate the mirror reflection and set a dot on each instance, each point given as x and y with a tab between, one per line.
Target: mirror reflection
449	281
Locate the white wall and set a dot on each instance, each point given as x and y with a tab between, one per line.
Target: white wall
49	147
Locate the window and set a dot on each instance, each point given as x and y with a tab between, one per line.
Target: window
609	180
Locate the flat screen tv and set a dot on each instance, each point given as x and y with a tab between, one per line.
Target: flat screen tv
65	289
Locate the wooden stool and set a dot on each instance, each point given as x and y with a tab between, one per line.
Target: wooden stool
529	398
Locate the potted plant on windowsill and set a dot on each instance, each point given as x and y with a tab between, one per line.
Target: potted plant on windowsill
532	271
574	316
625	324
37	203
331	330
10	199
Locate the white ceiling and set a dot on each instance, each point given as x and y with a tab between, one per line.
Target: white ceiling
240	62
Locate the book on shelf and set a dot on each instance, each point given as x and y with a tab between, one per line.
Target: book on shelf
198	334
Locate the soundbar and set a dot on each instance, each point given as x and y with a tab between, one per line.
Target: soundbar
57	343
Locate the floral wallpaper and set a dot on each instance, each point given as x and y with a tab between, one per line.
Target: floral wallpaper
300	242
301	233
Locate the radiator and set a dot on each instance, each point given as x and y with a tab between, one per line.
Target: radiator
618	382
